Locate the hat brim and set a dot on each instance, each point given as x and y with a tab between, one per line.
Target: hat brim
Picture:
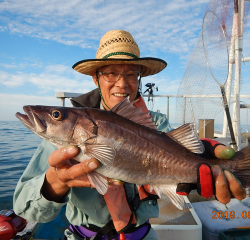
150	66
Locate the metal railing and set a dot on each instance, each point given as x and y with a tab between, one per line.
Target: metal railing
64	95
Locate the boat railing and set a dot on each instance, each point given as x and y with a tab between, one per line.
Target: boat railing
64	95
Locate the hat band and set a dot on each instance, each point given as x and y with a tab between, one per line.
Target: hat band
120	53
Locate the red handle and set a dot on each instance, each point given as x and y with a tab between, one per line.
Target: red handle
122	236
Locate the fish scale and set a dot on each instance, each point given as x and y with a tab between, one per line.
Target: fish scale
140	146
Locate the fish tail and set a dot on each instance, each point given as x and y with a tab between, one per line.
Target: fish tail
241	166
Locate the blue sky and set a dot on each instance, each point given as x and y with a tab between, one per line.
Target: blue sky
41	40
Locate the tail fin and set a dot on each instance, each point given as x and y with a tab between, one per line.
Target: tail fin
241	166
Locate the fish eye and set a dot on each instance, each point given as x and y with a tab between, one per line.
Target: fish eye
57	115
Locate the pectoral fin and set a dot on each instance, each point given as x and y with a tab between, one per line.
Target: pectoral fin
157	190
170	192
103	153
98	181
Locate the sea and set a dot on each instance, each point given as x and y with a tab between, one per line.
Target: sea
17	145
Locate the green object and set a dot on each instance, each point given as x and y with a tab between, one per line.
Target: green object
223	152
119	53
235	234
228	153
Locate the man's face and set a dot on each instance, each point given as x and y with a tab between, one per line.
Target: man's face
115	92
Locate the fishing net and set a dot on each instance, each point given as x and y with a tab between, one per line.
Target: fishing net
199	95
216	54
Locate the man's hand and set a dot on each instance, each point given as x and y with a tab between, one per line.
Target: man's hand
226	184
65	173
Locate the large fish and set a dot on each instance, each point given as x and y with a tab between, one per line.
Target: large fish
129	147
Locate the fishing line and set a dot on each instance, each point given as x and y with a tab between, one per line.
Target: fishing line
216	54
99	88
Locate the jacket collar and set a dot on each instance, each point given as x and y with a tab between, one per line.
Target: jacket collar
91	99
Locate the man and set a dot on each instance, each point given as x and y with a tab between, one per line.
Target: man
52	179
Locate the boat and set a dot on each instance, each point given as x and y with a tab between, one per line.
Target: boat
194	222
202	218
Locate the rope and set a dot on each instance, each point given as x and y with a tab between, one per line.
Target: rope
99	88
120	53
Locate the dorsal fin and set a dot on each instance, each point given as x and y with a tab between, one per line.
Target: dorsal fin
138	115
187	136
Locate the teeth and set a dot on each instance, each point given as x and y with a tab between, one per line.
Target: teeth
120	94
38	124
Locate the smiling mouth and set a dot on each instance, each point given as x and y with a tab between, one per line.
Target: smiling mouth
120	94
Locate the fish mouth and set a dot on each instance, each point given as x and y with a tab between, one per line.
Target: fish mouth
32	121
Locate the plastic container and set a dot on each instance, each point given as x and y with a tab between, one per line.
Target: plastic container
239	234
175	224
216	218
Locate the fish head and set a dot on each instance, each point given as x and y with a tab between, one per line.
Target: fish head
62	126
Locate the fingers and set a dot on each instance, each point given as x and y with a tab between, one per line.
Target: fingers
225	184
80	182
66	173
53	189
235	186
222	192
62	154
223	152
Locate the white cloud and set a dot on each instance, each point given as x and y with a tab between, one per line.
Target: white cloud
57	78
11	100
12	103
9	66
162	25
22	65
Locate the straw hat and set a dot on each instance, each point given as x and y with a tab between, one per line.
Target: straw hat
119	47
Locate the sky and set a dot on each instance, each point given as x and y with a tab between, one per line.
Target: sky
41	40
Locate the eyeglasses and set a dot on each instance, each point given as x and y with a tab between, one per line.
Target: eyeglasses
114	76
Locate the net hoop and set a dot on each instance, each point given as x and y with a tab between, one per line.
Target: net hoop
204	24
